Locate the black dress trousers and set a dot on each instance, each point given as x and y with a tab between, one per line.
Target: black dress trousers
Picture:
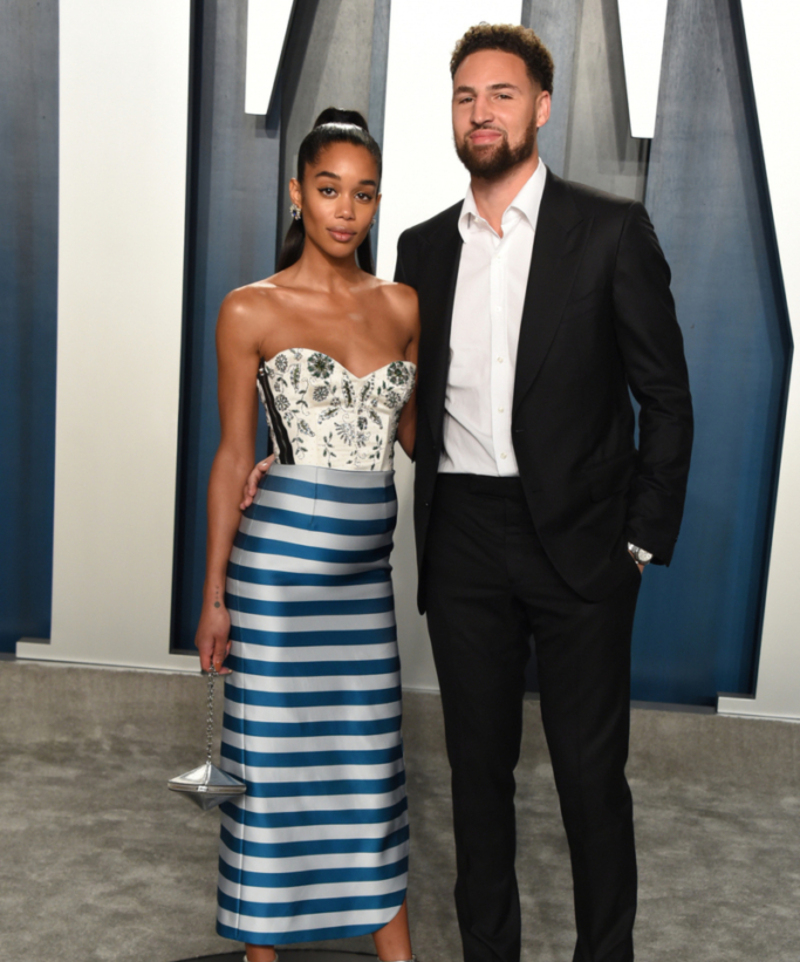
489	586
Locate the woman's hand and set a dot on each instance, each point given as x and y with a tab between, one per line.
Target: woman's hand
251	484
212	639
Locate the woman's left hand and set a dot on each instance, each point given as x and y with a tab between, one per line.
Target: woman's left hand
251	484
213	638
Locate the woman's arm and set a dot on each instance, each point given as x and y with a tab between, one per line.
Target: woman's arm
237	364
407	426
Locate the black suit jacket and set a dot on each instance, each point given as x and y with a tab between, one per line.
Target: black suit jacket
598	319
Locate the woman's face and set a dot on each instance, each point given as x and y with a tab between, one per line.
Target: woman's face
338	197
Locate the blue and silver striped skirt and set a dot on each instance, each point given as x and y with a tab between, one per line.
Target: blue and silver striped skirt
318	846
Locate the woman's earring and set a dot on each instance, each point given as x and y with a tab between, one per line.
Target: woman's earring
372	222
295	211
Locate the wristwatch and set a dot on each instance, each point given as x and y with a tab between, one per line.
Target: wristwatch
640	556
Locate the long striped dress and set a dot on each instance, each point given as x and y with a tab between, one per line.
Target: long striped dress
318	846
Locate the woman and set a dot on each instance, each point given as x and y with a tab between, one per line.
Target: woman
300	595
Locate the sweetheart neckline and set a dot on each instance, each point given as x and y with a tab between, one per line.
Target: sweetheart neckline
311	350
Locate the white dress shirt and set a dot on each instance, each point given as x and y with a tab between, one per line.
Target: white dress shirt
487	312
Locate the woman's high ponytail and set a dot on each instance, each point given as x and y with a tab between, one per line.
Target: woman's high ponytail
292	245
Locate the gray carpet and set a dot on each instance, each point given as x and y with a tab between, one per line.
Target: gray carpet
100	862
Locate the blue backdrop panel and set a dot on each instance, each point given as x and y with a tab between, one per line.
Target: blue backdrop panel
231	241
698	622
28	266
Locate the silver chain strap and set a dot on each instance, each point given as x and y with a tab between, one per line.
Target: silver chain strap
212	674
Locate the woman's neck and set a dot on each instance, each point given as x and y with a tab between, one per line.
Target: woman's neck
318	271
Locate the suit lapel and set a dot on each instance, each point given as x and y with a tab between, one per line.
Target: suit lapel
561	234
436	305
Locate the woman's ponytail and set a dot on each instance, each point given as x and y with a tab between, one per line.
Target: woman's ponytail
292	245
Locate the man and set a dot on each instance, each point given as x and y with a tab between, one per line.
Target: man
541	302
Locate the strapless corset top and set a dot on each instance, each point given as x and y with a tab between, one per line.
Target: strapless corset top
321	414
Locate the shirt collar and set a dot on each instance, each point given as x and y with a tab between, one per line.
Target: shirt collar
526	203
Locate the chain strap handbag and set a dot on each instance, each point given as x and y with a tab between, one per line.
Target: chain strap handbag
208	786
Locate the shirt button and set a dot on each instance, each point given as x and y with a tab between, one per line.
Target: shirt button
500	410
499	360
503	455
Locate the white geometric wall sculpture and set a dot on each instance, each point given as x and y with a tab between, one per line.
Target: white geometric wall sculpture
267	29
773	32
121	224
642	25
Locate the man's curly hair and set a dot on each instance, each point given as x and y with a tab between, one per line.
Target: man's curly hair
521	41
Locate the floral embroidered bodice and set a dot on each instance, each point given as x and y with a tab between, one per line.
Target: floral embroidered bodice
321	414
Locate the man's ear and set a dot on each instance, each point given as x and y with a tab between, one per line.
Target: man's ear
542	108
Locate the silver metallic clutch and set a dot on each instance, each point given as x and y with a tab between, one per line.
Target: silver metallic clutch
208	786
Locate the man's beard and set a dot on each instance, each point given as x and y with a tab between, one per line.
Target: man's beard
493	164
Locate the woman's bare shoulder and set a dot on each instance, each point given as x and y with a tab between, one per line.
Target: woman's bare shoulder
258	296
401	301
254	305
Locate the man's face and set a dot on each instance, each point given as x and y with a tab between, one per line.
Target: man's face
497	110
